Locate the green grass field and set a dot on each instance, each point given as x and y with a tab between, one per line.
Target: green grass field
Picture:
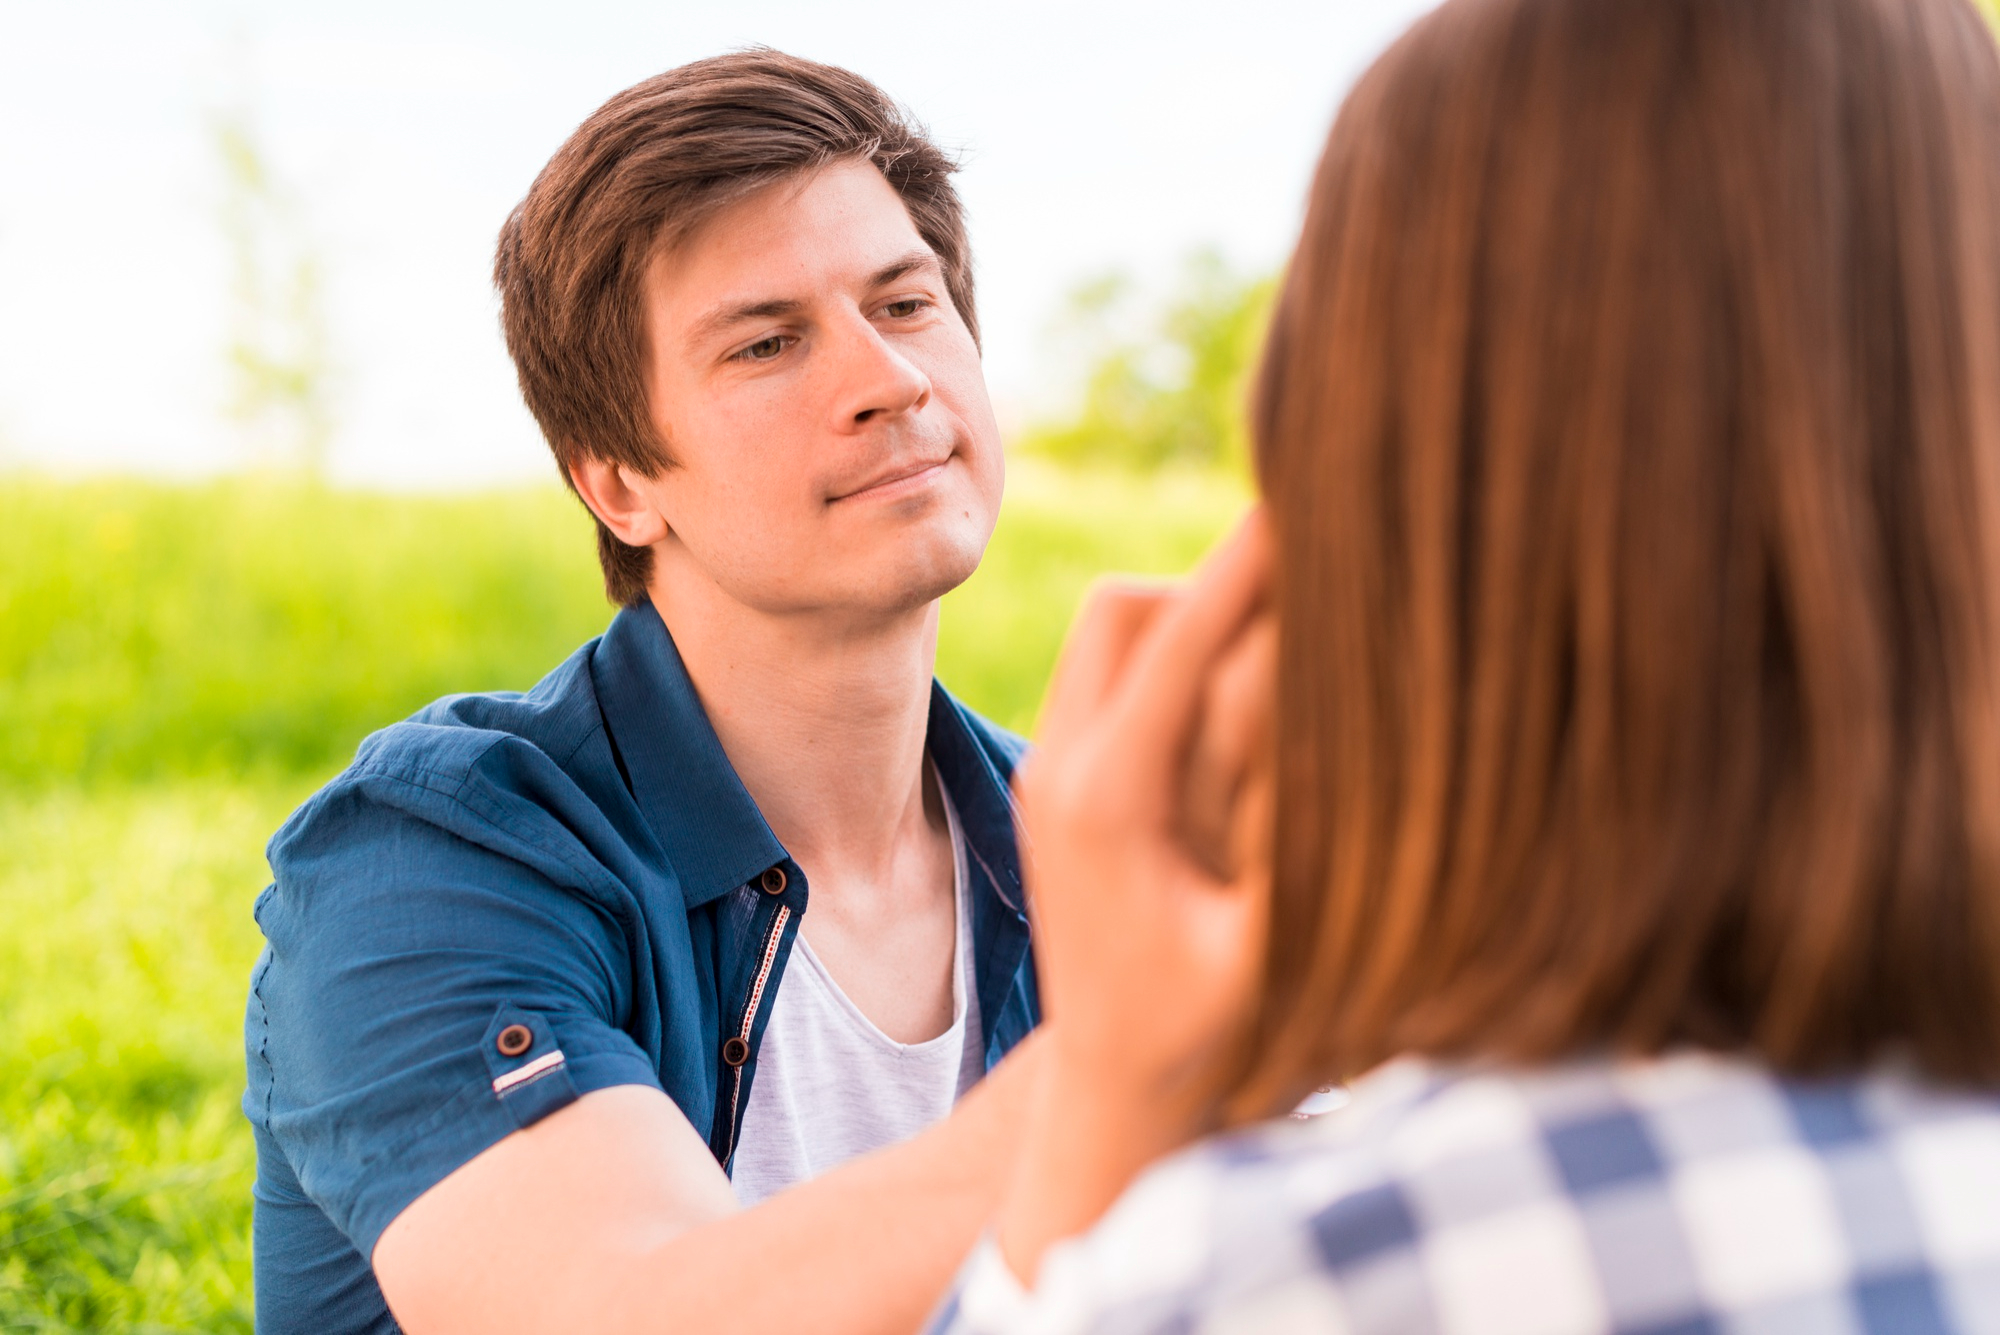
179	666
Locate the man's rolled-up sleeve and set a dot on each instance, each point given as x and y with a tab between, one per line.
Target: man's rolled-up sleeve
426	991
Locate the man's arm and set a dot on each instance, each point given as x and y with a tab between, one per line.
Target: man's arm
612	1216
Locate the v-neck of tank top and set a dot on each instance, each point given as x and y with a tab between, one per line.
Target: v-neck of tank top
830	1085
815	971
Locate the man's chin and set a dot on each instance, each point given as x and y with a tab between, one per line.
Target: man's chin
925	585
925	561
924	573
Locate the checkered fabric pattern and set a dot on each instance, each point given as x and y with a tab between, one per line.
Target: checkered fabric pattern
1687	1194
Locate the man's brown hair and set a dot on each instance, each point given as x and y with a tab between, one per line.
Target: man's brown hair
1630	426
642	173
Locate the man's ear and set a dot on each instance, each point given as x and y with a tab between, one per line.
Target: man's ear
620	498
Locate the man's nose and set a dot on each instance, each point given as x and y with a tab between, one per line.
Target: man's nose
873	379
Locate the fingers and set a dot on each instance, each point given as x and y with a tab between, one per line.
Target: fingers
1253	832
1170	665
1114	616
1231	738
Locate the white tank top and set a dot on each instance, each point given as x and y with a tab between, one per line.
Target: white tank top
831	1086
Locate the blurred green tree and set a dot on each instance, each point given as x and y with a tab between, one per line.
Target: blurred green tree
279	396
1166	384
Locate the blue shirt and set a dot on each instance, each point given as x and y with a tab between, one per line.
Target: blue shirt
511	900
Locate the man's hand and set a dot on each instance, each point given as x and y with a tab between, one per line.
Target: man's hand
611	1216
1146	844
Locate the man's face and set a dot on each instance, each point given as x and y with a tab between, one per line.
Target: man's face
833	446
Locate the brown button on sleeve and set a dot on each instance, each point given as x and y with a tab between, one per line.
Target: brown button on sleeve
514	1040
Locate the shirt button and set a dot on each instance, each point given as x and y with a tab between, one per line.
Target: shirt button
773	880
735	1051
514	1040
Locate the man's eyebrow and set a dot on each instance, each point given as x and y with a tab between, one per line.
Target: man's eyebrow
722	317
904	267
726	315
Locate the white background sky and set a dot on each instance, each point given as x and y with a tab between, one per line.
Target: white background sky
1096	136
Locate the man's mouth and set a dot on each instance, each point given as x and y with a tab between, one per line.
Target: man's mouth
901	480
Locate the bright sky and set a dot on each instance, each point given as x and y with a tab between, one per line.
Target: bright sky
1096	136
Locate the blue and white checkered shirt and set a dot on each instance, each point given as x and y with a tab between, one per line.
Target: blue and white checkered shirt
1686	1194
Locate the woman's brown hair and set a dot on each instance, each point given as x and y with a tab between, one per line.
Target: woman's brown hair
1630	424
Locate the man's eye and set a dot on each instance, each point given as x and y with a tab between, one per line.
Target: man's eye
764	349
903	310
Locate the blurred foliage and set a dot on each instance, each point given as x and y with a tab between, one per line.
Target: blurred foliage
277	351
1059	529
253	625
258	627
181	665
1167	382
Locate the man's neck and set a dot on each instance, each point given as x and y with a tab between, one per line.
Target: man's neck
824	719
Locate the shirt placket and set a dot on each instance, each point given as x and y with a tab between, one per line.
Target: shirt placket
736	1047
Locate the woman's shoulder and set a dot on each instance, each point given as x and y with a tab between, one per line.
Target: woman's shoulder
1592	1196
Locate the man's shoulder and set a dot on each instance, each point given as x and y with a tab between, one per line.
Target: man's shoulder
483	765
448	737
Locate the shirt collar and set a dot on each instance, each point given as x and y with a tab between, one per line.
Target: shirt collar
979	790
706	821
702	815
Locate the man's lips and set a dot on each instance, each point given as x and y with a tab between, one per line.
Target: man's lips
902	479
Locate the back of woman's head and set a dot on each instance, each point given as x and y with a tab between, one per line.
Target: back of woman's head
1631	428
